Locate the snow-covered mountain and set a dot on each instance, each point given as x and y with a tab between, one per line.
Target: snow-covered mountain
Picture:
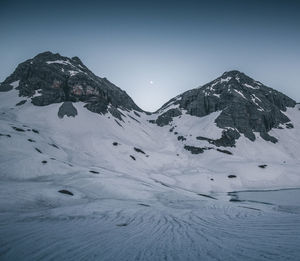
85	174
58	117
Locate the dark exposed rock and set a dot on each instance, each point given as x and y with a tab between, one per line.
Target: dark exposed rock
6	135
139	150
268	137
246	105
38	150
115	143
61	79
143	204
194	150
225	151
205	195
289	125
235	200
5	87
54	145
31	140
161	183
167	117
94	171
67	192
67	109
116	113
227	139
262	166
119	123
35	131
44	161
132	157
137	114
18	129
134	119
231	176
21	102
181	138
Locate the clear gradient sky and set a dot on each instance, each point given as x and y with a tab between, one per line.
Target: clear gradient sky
155	50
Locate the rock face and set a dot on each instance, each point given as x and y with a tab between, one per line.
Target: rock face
67	109
51	78
246	106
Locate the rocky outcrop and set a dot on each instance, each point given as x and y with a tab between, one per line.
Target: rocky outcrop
227	139
166	118
67	109
246	105
51	78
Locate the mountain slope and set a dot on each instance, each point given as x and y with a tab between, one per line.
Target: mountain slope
85	174
51	78
246	106
191	147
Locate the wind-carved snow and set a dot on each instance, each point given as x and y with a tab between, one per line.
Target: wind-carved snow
166	205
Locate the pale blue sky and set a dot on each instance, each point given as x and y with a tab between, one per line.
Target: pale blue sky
178	45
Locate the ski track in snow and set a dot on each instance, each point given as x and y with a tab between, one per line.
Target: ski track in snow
175	230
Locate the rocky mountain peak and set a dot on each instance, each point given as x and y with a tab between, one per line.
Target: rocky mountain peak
51	78
246	106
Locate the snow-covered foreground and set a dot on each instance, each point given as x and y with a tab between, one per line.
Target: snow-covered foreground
137	193
37	223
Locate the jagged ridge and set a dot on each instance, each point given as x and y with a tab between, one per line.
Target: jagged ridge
51	78
246	105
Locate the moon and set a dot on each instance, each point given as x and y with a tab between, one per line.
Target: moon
151	82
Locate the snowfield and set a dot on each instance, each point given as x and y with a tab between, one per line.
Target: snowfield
137	193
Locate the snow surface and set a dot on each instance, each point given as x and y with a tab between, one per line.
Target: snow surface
15	84
60	62
240	93
72	73
252	87
152	208
227	79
